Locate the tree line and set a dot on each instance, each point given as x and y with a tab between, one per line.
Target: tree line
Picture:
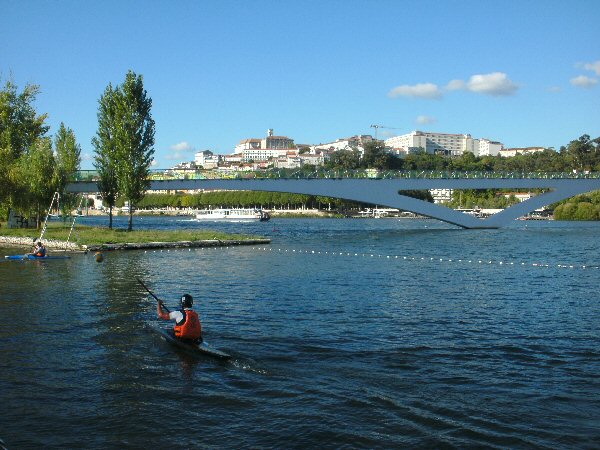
34	165
581	155
242	199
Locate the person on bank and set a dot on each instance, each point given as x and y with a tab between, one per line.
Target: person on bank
39	250
187	323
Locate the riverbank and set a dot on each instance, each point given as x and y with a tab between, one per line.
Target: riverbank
274	213
87	238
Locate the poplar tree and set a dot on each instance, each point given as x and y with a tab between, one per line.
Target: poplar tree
135	141
105	143
68	159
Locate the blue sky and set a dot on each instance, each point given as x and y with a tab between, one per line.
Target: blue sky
525	73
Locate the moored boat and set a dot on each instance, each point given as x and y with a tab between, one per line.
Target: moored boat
233	215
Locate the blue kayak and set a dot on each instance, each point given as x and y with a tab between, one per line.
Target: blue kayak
35	258
197	349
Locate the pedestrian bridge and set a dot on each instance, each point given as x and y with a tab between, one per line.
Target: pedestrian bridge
382	188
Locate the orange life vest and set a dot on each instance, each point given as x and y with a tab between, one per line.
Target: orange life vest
190	328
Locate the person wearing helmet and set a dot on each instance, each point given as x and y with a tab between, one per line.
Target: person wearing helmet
187	323
39	250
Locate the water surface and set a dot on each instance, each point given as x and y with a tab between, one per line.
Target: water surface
358	333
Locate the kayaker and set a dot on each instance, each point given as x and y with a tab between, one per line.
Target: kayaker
39	251
187	323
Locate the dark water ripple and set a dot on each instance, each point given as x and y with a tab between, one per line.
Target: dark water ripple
337	341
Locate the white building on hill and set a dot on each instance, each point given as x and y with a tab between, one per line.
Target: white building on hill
443	143
263	149
355	142
206	159
509	152
488	148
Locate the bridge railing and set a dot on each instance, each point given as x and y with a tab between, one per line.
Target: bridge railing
168	174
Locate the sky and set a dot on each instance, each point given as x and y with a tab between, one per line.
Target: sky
525	73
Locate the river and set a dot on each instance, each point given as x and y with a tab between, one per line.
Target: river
345	333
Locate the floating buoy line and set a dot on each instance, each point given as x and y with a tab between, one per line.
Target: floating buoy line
423	259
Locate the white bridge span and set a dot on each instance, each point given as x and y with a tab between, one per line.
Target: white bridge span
384	192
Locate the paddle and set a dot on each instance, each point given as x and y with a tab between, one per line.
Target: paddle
161	303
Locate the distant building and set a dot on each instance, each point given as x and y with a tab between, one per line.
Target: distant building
521	196
509	152
290	161
441	143
206	159
317	159
441	195
233	158
355	142
263	149
488	148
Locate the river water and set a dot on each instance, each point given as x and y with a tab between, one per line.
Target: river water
345	333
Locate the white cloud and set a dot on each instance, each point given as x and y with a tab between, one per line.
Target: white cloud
583	81
182	147
422	90
495	84
554	89
426	120
456	85
180	151
87	157
595	67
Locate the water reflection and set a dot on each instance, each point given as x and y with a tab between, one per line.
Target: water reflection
333	347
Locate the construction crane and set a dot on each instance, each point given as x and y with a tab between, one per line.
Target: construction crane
382	126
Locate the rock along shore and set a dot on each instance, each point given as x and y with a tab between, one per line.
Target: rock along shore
54	245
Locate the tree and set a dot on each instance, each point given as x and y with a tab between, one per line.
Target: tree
134	140
20	128
36	168
105	143
375	156
585	153
68	159
344	159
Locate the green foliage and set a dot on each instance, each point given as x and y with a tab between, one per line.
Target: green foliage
418	194
36	169
68	159
241	199
344	159
124	143
481	198
134	139
376	157
578	208
97	235
105	160
20	128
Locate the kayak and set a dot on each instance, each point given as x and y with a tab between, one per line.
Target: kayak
35	258
198	349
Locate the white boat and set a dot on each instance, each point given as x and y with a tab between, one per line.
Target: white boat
233	215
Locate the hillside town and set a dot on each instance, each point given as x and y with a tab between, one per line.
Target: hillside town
281	152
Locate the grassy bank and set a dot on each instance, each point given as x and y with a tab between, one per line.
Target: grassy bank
86	235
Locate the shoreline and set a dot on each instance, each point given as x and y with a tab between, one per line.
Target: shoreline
63	246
